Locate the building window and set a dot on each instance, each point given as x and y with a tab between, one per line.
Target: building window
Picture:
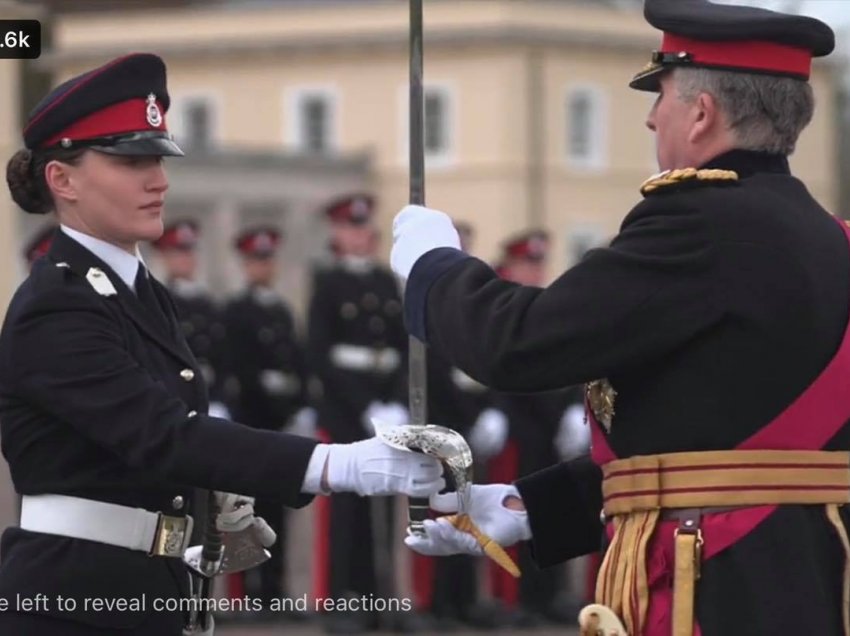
436	122
195	122
586	128
313	126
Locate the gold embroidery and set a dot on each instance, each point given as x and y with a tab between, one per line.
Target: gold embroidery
601	396
672	177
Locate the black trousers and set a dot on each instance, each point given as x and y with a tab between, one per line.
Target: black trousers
361	540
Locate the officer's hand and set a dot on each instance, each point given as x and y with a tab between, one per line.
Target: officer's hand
416	230
370	467
236	514
488	435
489	512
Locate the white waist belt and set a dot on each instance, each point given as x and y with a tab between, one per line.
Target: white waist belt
359	358
122	526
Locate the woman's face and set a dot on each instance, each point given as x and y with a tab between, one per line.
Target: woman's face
115	198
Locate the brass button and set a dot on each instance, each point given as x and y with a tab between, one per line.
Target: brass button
187	374
191	414
177	502
348	311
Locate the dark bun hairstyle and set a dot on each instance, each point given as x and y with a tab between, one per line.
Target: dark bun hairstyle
25	177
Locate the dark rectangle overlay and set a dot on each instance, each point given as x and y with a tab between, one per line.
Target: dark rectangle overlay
20	39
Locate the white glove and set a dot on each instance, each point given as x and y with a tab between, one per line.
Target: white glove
303	423
391	413
218	409
573	436
505	526
488	435
416	230
237	513
370	467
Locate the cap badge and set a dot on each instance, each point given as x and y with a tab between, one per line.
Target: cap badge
154	116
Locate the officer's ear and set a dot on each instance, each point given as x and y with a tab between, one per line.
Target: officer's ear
57	175
707	118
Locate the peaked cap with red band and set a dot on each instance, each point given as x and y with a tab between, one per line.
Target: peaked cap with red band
118	108
701	34
532	245
356	209
39	244
260	242
180	235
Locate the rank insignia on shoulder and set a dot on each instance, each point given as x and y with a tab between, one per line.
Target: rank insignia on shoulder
100	281
675	177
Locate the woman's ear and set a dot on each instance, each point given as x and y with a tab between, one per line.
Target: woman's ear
59	181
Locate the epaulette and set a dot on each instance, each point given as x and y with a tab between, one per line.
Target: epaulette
675	177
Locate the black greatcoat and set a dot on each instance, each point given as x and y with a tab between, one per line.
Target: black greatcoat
97	400
712	310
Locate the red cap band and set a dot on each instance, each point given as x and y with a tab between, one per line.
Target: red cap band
123	117
756	55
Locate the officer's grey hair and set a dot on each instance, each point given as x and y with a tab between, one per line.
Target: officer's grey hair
765	112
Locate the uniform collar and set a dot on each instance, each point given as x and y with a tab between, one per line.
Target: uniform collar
122	263
185	288
264	295
749	162
356	264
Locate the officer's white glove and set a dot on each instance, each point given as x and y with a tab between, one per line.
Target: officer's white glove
391	413
573	437
370	467
488	435
505	526
236	513
416	230
303	423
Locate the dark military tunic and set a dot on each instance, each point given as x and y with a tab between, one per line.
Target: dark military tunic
97	400
268	376
202	325
357	348
716	305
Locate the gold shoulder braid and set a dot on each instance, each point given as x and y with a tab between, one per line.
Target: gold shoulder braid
673	177
601	396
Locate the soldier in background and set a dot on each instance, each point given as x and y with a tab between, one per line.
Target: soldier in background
38	244
200	318
540	429
449	586
267	384
357	347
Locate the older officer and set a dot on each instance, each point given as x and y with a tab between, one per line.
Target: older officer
719	319
103	409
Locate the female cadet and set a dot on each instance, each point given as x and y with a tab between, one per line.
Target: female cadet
103	410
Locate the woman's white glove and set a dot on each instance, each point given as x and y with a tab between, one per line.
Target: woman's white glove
416	230
488	435
573	437
236	513
486	507
370	467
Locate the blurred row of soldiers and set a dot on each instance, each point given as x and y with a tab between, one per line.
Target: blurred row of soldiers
350	365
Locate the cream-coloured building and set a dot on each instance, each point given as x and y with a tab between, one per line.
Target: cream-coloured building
530	120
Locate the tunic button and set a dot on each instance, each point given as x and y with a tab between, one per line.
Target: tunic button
602	518
187	374
177	502
191	414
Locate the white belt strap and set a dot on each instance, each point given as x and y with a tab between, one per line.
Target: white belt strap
359	358
122	526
